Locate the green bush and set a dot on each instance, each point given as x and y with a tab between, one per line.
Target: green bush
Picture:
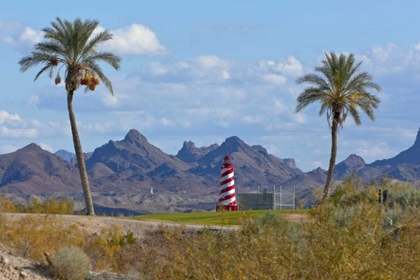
70	263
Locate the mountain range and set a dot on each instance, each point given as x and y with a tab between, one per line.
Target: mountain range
133	175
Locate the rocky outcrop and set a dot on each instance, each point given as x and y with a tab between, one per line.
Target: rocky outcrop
190	154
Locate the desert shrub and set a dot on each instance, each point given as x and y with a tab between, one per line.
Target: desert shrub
403	195
7	206
2	218
109	250
342	242
400	251
345	238
270	219
61	205
245	254
32	236
70	263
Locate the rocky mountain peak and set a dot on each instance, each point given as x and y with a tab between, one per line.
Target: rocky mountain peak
354	160
135	137
350	165
31	148
188	146
189	152
417	142
318	170
65	155
232	144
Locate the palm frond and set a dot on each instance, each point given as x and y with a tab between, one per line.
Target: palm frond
101	37
340	89
43	69
71	44
34	59
107	57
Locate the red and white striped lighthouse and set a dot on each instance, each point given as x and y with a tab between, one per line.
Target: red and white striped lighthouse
227	197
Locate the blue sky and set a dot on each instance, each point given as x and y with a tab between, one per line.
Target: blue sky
203	71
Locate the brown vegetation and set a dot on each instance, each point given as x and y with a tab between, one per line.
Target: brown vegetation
351	236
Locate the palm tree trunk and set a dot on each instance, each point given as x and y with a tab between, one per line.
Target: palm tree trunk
79	155
334	129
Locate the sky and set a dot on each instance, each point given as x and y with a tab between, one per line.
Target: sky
203	71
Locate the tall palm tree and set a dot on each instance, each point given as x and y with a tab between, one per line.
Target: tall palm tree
72	47
341	89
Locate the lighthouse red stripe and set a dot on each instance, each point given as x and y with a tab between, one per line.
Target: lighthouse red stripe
227	181
226	173
227	185
226	189
227	197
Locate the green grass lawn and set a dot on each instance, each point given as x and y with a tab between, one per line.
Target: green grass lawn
210	218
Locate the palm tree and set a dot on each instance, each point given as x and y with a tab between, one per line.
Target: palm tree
71	47
341	90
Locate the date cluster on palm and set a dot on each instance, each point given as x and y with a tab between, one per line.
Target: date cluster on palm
58	80
89	81
54	61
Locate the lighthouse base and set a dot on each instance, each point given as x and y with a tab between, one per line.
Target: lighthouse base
226	207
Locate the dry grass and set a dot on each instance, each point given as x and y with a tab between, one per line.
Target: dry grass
349	237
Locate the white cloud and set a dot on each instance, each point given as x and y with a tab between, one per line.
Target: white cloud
5	116
275	79
25	41
292	67
47	147
252	119
373	150
279	106
157	69
166	122
300	118
205	68
388	59
210	61
14	127
135	39
32	101
383	53
97	127
315	164
112	100
6	149
213	69
225	75
18	132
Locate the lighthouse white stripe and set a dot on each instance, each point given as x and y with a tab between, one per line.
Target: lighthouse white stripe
228	176
228	184
224	194
227	201
225	169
